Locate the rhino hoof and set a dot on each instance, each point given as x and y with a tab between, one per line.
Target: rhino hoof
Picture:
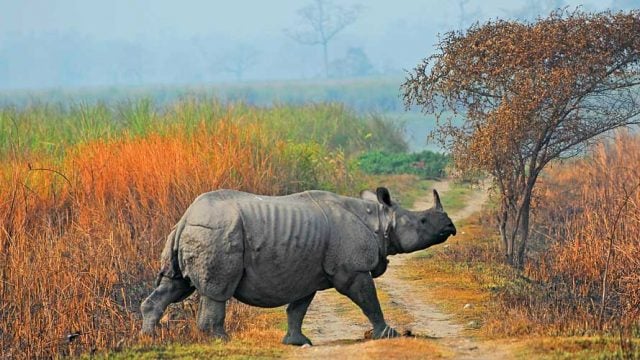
386	333
221	336
296	339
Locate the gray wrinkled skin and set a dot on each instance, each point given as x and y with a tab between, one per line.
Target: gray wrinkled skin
270	251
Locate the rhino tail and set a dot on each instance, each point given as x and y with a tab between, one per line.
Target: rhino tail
170	267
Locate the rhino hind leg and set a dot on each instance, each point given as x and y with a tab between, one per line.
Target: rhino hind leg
295	314
360	288
211	317
168	291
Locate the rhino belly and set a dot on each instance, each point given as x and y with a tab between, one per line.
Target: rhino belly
269	286
284	253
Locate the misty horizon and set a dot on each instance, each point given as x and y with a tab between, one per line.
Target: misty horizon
73	44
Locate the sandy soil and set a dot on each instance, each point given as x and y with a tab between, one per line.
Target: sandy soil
340	337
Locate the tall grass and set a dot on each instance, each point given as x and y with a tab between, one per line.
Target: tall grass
590	209
583	275
79	250
50	128
88	195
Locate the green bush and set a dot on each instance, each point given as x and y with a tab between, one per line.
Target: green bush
426	164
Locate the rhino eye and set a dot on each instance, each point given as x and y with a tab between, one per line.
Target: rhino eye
423	220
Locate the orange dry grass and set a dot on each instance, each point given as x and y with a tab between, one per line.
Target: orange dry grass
591	212
80	246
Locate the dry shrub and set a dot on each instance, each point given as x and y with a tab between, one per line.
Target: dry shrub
601	234
585	274
81	236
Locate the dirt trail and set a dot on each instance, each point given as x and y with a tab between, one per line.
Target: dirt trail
334	335
324	325
426	202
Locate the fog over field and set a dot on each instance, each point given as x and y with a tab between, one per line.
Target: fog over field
45	44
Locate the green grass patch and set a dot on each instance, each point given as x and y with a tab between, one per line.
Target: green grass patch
456	197
234	349
426	164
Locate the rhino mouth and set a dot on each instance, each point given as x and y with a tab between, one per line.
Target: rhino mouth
451	230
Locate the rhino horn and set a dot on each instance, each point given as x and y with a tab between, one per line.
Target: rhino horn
436	200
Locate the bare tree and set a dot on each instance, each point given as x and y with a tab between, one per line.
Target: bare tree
354	63
240	59
323	20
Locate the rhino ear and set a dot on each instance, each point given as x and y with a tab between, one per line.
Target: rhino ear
436	200
368	195
383	196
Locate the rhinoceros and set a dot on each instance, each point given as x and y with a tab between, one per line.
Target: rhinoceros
270	251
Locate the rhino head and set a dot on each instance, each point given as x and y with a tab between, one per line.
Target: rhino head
410	231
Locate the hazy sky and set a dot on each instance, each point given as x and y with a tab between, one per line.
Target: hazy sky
45	43
242	19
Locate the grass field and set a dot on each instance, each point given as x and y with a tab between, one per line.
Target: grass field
89	190
89	193
379	96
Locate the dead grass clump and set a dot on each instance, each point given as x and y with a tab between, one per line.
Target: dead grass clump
80	236
584	276
595	257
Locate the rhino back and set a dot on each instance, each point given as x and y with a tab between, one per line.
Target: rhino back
285	241
288	228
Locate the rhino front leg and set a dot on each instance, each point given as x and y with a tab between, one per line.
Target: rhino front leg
168	291
211	317
295	314
359	287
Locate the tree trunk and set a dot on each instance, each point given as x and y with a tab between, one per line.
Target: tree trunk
511	246
524	224
513	235
502	225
